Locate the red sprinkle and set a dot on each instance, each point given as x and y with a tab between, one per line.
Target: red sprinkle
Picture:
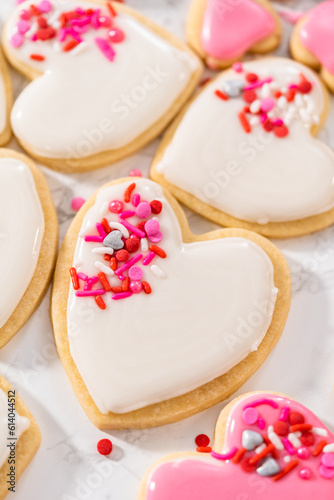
158	251
301	427
116	289
305	87
267	125
244	122
204	449
296	418
202	440
46	34
113	263
252	77
126	284
281	131
221	95
104	446
278	94
307	439
105	225
204	81
132	245
291	465
37	57
107	257
70	45
111	9
281	428
249	96
122	255
318	449
128	191
156	206
100	302
239	455
75	279
247	466
141	225
104	281
42	22
146	287
290	95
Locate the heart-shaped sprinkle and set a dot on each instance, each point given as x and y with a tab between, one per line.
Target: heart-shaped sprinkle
114	240
251	439
269	468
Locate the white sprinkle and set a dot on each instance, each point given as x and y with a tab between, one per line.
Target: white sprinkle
319	432
282	102
56	46
329	448
293	438
299	102
144	245
118	225
287	459
266	91
254	120
260	448
273	85
304	116
79	48
105	269
103	250
310	107
103	208
255	106
273	437
157	271
271	114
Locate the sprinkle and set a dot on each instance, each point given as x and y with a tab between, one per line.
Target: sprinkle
244	122
319	448
120	227
327	460
281	428
143	210
135	273
100	302
319	431
250	416
136	286
125	284
288	446
105	269
83	276
225	456
305	473
156	207
70	45
301	428
135	200
132	244
202	440
303	452
146	287
204	449
111	9
104	446
261	423
159	251
95	239
103	250
239	455
326	473
288	468
296	418
37	57
44	6
100	230
17	40
148	258
105	48
128	191
329	448
104	281
258	84
134	229
90	293
116	35
105	225
281	131
74	277
221	95
128	264
91	282
135	173
144	245
275	439
257	458
116	206
294	440
263	401
122	295
116	289
157	271
237	66
113	263
122	255
127	214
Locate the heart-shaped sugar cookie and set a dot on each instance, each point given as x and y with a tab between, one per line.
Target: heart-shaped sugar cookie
222	31
28	240
313	38
296	455
5	101
106	81
132	324
243	153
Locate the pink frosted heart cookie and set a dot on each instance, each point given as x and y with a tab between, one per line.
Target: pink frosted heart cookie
138	299
222	31
285	449
312	40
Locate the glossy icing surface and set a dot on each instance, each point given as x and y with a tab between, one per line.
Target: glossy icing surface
257	177
21	227
317	33
21	424
84	103
206	477
231	28
3	105
145	349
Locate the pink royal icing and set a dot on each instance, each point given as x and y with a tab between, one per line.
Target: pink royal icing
317	34
232	28
204	477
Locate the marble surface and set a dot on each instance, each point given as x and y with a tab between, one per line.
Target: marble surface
67	466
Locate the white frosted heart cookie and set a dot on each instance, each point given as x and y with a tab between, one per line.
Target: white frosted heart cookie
6	99
243	154
312	40
223	31
266	446
146	298
106	81
28	240
19	438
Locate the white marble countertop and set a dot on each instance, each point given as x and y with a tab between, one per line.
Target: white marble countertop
67	466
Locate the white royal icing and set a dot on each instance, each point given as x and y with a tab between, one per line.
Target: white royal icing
19	423
211	307
3	105
85	104
21	233
256	177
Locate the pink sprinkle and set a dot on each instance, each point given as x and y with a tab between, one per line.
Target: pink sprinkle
77	203
237	66
96	239
17	40
327	460
100	230
267	104
135	200
25	14
263	401
116	35
83	21
80	11
288	446
90	293
284	414
326	473
105	48
293	86
116	206
277	122
263	117
136	286
225	456
249	415
23	26
135	173
258	84
121	295
261	423
305	473
132	228
144	210
127	213
303	452
135	273
33	37
128	264
148	258
95	19
62	34
152	227
105	21
82	276
74	34
91	282
155	238
44	6
121	277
